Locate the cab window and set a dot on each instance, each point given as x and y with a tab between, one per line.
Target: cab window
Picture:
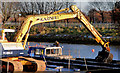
39	51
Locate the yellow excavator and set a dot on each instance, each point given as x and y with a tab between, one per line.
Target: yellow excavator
28	63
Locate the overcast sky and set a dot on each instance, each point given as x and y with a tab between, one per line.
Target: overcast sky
59	0
82	4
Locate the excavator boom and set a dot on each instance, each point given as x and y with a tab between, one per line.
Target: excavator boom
37	19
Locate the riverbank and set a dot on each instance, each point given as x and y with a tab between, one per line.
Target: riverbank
74	34
71	39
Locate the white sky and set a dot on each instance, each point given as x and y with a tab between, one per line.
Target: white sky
58	0
82	4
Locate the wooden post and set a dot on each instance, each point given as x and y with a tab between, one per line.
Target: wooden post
69	60
44	59
79	53
85	64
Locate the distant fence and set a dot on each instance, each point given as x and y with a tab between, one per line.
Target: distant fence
96	25
55	24
105	25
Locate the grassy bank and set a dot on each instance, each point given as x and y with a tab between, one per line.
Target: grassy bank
71	34
72	40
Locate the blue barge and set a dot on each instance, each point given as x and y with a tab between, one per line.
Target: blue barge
47	51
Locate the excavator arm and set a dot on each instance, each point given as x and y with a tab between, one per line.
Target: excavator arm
31	20
104	55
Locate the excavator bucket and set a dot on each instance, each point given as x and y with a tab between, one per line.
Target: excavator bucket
104	56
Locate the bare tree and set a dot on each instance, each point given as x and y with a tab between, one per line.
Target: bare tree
102	6
91	15
115	14
26	8
31	8
15	12
6	11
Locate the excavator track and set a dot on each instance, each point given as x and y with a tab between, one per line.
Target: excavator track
9	65
16	66
40	64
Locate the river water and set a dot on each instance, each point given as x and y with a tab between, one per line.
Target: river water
83	50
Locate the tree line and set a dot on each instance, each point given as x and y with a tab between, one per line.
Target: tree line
17	9
99	12
104	12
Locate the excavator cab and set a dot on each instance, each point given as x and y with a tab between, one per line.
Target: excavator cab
10	49
3	34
